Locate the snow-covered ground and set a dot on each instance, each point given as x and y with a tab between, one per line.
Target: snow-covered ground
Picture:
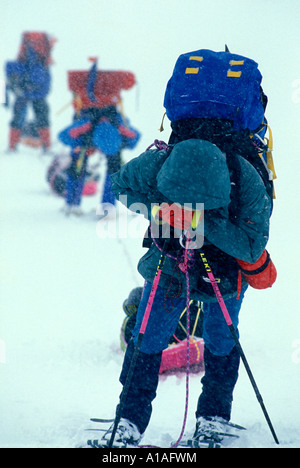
62	285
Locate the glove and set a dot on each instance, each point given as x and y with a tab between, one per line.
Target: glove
260	275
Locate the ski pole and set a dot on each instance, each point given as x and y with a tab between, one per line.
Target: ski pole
139	341
62	109
237	342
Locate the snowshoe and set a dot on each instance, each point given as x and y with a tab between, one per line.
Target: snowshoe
127	436
212	433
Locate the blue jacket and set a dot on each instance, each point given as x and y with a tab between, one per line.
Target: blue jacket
30	79
236	223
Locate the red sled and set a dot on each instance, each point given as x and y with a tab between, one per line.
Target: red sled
107	89
90	188
175	356
56	176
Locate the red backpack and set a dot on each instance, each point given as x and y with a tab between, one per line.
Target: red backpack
107	87
40	42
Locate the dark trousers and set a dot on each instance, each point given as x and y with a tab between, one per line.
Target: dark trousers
143	385
40	108
221	374
221	359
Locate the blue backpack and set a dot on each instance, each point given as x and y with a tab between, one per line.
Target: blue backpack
208	84
33	80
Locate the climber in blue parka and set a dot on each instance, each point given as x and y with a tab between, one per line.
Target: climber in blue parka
195	171
99	125
29	79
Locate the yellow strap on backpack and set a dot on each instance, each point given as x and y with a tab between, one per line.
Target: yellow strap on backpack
270	161
80	160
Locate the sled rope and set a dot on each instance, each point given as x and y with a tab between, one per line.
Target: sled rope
184	266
